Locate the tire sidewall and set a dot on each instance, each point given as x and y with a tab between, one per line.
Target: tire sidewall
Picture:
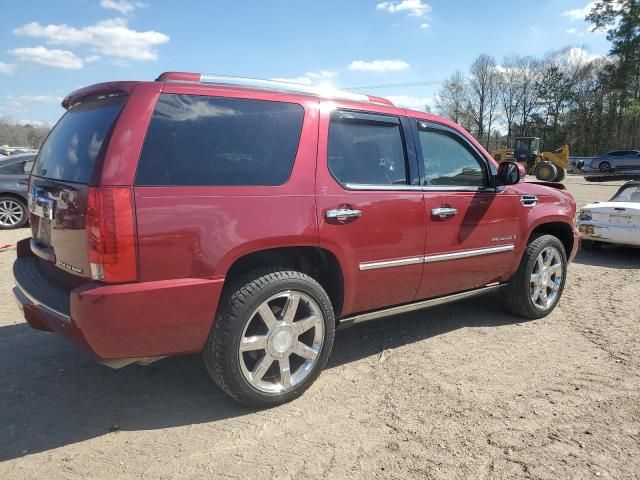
242	314
542	243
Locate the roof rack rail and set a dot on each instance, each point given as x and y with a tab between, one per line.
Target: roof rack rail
276	85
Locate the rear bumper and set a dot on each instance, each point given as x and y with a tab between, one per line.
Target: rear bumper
116	322
619	234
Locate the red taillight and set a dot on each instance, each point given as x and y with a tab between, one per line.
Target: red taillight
111	235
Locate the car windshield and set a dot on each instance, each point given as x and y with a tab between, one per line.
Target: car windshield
628	193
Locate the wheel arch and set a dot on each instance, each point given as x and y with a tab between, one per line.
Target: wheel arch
319	263
562	230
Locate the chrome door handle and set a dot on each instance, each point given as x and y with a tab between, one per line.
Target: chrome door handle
444	212
342	213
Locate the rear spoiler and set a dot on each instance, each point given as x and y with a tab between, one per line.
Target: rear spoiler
99	90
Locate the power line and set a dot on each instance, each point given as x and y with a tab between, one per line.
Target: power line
393	85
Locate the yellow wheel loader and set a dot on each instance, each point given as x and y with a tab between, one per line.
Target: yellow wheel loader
546	166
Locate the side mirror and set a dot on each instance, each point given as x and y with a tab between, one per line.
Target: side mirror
510	173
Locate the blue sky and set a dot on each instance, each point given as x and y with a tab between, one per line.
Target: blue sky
49	48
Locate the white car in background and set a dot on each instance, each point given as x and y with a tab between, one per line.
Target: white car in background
616	221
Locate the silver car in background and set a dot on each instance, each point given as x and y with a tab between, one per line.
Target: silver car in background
616	160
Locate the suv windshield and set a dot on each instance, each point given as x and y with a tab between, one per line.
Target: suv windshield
71	149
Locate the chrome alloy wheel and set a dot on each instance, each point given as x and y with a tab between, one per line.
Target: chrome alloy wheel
281	342
546	278
10	213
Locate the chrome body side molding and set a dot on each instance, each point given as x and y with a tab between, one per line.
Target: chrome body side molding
436	258
410	307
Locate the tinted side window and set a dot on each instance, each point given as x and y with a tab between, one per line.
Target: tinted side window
366	152
448	161
13	169
200	140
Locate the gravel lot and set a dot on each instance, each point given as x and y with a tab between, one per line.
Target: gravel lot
461	391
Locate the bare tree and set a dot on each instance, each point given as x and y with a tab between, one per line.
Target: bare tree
450	101
482	95
510	92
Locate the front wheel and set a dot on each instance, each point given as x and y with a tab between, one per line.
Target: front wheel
538	285
271	338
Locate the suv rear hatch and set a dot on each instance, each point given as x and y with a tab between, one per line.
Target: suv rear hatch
84	229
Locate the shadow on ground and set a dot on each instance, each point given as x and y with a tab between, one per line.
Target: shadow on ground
52	395
610	256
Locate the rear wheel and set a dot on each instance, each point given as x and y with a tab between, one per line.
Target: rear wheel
562	174
13	213
605	167
546	171
271	338
538	285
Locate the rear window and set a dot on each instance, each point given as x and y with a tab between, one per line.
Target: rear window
200	140
71	149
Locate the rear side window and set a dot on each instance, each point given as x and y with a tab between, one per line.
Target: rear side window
200	140
13	169
366	149
71	149
448	161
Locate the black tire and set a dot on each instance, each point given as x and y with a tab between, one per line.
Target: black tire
13	203
605	167
546	171
238	303
517	295
590	245
562	174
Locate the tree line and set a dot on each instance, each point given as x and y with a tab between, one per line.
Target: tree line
17	135
568	96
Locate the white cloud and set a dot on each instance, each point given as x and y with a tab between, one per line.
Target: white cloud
410	102
415	8
378	66
309	78
50	57
125	7
7	68
425	25
304	80
112	38
579	13
20	99
91	58
575	31
579	56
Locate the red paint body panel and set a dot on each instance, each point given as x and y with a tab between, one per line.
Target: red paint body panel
189	237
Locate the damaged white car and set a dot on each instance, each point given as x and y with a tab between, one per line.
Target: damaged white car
616	221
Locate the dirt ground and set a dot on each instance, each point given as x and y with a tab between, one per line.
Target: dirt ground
460	391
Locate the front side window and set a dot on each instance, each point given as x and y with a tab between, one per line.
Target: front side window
201	140
366	151
448	161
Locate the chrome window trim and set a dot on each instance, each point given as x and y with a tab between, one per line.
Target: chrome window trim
394	188
440	257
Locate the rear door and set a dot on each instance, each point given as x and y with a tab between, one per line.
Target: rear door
472	227
60	179
370	205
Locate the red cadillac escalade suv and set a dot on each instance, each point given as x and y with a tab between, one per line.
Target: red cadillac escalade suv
248	220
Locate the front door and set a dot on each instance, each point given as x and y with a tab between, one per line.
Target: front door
471	226
370	205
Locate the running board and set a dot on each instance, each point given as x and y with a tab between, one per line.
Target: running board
410	307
